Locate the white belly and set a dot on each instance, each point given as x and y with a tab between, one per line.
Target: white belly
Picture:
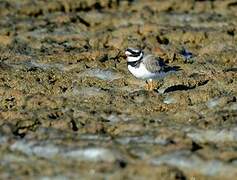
142	73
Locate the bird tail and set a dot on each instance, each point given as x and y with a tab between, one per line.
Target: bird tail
171	68
176	68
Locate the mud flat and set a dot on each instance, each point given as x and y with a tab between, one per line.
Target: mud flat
69	109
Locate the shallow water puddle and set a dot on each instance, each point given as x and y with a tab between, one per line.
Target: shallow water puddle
106	75
188	161
142	140
41	149
221	135
88	91
34	64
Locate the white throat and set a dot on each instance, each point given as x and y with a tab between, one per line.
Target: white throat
133	59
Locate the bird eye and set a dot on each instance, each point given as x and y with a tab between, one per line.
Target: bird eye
133	52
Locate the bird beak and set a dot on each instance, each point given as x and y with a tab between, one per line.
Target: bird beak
123	56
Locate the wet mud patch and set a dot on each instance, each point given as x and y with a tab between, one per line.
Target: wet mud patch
69	105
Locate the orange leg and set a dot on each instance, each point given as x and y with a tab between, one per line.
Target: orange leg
150	85
147	86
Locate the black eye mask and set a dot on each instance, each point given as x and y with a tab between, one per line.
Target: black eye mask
133	54
137	63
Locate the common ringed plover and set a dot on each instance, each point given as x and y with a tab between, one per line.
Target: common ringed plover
147	67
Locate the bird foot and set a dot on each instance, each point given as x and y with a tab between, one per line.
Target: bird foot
151	85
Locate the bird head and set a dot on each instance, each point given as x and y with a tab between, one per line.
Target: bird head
133	54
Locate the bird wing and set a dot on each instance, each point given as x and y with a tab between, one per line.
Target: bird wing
155	65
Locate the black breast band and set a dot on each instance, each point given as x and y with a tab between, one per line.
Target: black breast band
135	64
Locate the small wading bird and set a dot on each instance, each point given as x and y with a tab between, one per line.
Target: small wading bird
147	67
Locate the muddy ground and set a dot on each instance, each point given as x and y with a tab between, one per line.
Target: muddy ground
69	108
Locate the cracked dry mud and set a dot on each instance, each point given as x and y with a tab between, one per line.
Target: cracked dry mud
70	109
